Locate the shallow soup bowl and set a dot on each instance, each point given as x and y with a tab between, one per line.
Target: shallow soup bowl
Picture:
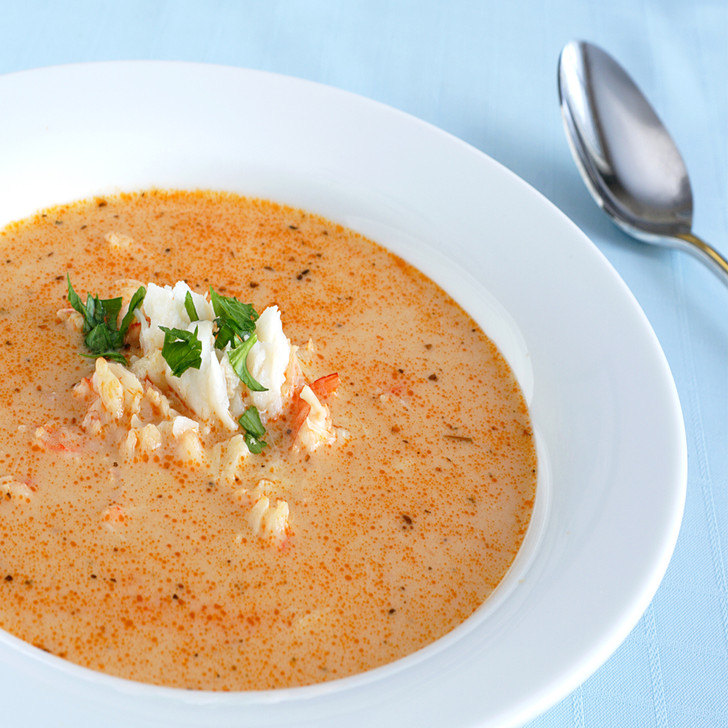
608	427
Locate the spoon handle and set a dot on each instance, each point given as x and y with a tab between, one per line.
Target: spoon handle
701	250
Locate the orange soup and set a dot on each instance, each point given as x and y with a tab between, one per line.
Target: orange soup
152	530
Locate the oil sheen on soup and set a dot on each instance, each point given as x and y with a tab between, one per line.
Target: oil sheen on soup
294	459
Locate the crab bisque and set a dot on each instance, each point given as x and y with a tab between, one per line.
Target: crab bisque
185	527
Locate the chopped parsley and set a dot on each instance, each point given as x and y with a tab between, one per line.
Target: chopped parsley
234	319
190	307
182	350
236	326
102	336
254	430
238	356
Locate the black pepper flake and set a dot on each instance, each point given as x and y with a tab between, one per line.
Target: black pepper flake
253	284
392	610
101	203
8	578
293	227
432	377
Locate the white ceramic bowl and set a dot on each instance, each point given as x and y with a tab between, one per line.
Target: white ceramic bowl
611	443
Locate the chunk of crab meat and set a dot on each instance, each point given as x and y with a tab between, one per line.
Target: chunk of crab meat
128	446
84	389
165	306
151	366
316	429
109	389
57	439
157	402
14	488
119	389
203	390
275	522
322	388
189	448
118	242
255	514
181	424
269	521
149	438
235	388
92	422
230	457
268	361
294	376
249	496
72	319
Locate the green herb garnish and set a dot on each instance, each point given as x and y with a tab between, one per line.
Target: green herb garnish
190	307
234	319
102	336
236	326
254	430
238	356
182	350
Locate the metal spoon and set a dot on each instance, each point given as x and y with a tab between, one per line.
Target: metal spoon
625	155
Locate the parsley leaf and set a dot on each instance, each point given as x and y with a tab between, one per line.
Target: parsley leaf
254	430
102	337
236	326
136	301
238	356
233	319
190	307
182	350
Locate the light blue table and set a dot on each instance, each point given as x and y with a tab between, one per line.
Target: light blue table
486	72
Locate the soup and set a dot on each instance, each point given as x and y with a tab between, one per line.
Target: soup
152	530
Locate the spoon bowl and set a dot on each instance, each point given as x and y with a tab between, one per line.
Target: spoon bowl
626	156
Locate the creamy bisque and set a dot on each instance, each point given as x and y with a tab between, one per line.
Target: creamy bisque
145	566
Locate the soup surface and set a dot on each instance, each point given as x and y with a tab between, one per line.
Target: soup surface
146	558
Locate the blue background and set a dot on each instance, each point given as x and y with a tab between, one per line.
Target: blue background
486	72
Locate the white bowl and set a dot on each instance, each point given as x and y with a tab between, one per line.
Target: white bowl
612	454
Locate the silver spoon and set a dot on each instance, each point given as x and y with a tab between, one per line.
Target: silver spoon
625	155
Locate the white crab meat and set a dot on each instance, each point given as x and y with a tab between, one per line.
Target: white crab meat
214	391
317	428
268	361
